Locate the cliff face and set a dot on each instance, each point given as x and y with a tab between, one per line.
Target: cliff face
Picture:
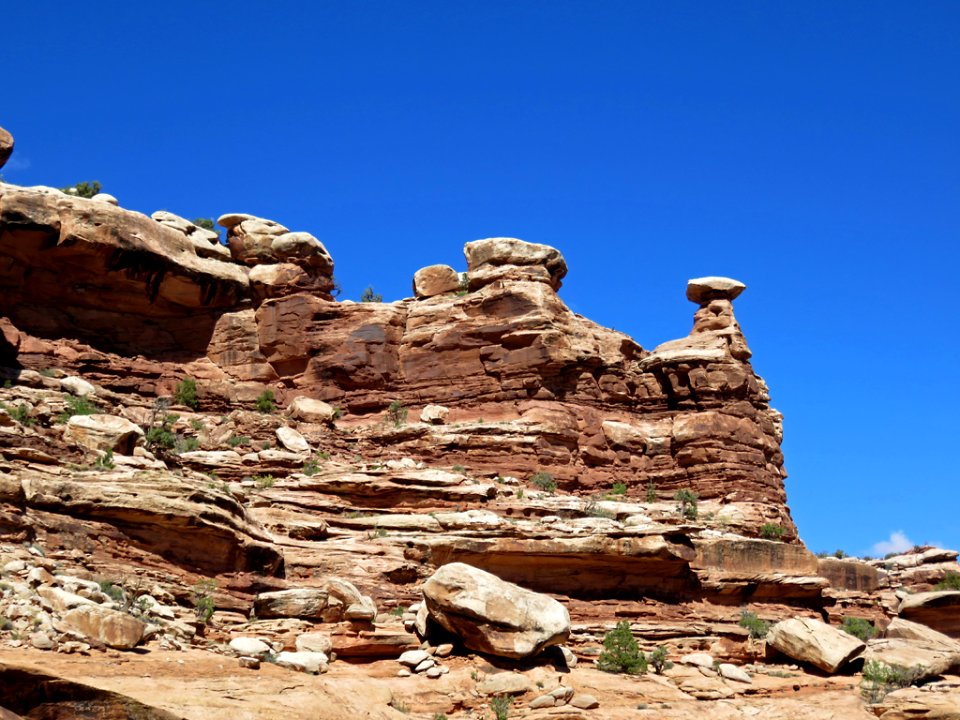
137	305
479	422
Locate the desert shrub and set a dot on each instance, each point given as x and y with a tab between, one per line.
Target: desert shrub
105	461
83	189
651	492
658	660
501	706
951	581
266	402
621	654
771	531
20	414
880	679
311	467
544	481
840	554
162	437
77	405
369	296
397	413
592	509
186	393
858	627
619	488
183	444
112	591
264	481
238	440
205	223
203	603
686	503
758	628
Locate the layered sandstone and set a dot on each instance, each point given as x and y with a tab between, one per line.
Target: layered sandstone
548	454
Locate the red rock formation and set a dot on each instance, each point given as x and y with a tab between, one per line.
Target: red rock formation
593	406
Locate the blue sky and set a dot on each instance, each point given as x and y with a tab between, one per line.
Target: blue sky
809	149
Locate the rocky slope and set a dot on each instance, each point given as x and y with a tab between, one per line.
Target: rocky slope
297	508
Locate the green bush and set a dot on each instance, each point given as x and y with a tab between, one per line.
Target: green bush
758	628
619	488
771	531
83	189
238	440
651	492
184	444
369	296
501	706
880	679
105	461
112	591
266	402
951	581
20	414
858	627
205	223
658	659
397	413
264	481
77	405
186	393
621	654
203	603
544	481
686	503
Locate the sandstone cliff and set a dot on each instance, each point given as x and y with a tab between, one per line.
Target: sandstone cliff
337	455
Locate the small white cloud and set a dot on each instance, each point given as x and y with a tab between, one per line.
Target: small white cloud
897	543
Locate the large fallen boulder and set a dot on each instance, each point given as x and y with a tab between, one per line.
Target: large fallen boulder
815	642
113	628
104	432
493	616
937	610
336	600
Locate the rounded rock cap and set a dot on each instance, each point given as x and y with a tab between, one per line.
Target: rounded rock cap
6	146
703	290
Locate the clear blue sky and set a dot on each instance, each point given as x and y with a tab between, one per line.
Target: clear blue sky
810	149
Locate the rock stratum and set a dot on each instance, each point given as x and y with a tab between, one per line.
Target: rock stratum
292	506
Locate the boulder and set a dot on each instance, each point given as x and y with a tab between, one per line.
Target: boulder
113	628
435	280
732	672
921	635
493	616
814	642
939	610
703	290
302	248
336	600
314	642
107	198
309	662
250	238
292	440
6	146
511	259
434	414
103	432
505	683
250	647
585	702
77	386
310	410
